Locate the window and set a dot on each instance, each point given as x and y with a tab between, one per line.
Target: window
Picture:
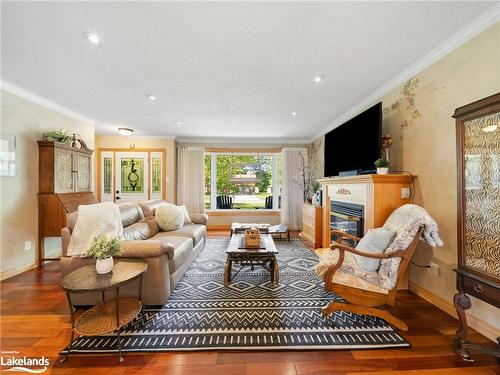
242	181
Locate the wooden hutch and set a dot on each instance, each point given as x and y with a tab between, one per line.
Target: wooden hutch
65	182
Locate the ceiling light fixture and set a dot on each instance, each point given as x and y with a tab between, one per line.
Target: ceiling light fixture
93	38
318	79
125	131
177	122
152	97
294	113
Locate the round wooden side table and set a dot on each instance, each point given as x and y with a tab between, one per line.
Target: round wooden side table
108	316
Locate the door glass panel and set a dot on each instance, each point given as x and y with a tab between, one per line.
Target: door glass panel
108	174
132	175
156	170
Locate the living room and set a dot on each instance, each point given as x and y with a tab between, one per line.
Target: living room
292	187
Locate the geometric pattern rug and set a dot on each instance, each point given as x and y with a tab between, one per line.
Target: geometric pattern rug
250	314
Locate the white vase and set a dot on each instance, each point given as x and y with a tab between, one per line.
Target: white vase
382	170
103	266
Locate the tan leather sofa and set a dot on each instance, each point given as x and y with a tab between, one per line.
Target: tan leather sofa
168	254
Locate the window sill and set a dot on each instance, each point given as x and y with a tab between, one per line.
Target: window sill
237	212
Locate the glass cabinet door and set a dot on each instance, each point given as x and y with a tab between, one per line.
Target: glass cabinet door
83	172
63	169
481	194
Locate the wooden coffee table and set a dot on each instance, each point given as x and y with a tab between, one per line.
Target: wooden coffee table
246	257
108	316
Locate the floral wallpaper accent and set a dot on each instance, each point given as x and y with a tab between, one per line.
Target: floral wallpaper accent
406	104
316	157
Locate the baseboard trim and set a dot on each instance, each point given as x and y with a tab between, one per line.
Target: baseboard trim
474	321
16	271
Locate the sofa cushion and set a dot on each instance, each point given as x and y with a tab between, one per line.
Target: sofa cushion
169	217
194	231
187	219
183	248
130	213
149	207
141	230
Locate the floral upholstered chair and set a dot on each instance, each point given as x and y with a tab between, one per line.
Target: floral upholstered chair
367	276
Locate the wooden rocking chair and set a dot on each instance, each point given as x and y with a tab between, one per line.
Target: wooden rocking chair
362	301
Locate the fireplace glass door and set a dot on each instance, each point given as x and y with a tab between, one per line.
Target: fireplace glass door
347	217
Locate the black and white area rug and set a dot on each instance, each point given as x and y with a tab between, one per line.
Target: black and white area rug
251	313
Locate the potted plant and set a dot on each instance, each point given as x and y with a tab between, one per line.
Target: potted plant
102	249
382	166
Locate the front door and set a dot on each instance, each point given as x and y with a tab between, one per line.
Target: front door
131	176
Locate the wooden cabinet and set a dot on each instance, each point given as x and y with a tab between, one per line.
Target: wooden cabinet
65	182
478	177
312	224
64	169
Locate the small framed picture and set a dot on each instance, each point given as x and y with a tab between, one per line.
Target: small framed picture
7	155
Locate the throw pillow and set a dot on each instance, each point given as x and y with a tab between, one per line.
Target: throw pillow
187	219
169	217
376	241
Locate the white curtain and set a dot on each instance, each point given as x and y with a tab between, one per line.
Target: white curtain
292	197
190	179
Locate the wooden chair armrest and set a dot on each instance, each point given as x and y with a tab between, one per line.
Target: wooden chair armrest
352	250
334	267
339	233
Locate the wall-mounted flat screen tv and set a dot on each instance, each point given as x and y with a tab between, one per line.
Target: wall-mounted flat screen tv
354	145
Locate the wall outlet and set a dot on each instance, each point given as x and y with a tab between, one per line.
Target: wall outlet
434	270
28	246
405	193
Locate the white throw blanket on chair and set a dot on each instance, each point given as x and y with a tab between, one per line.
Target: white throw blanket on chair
94	220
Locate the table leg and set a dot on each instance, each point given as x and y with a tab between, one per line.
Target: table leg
227	271
276	272
118	324
72	313
140	288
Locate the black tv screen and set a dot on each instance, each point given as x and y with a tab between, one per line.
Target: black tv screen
354	145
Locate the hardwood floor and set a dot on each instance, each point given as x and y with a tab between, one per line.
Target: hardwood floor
35	322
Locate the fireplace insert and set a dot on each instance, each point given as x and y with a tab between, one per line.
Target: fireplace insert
347	217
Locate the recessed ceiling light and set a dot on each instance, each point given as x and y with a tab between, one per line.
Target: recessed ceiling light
294	113
125	131
177	122
318	79
93	38
152	97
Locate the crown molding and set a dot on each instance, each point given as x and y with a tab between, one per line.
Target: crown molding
249	141
18	91
487	19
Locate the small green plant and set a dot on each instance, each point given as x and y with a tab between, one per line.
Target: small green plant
103	247
57	136
381	163
315	186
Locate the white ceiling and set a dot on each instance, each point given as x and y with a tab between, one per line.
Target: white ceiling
222	69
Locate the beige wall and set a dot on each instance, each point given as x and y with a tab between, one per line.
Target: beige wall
427	149
18	195
118	141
